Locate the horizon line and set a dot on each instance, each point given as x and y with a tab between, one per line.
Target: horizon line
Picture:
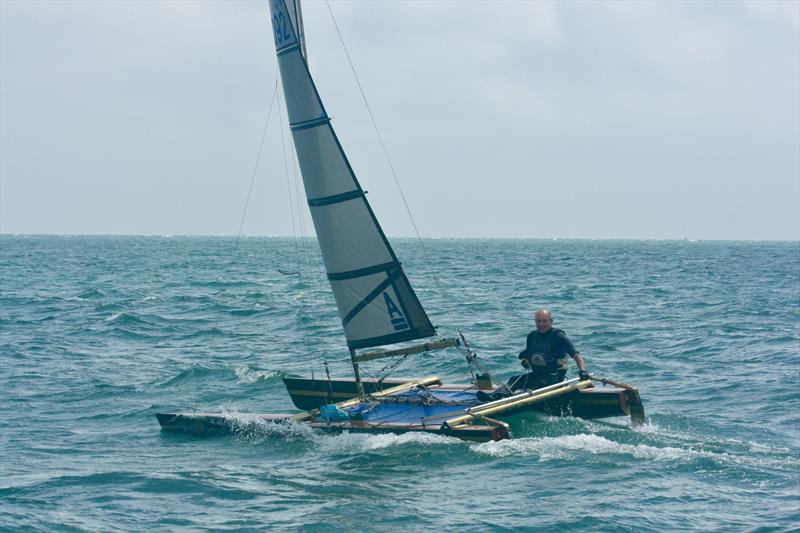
411	237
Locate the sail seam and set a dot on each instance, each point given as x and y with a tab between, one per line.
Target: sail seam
335	198
371	296
366	271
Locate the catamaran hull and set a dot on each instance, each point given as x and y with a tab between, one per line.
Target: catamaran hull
213	424
422	405
594	402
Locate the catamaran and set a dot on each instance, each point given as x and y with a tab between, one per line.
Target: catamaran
380	313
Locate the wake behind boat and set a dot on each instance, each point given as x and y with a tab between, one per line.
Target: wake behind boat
378	307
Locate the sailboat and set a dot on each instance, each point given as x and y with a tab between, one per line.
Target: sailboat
380	313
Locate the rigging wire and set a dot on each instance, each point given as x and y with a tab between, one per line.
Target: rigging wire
298	203
295	198
380	376
286	172
258	159
426	255
310	254
471	356
374	124
299	195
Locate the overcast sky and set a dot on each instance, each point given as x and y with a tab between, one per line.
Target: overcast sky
519	119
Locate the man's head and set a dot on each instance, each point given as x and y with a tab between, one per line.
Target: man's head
544	321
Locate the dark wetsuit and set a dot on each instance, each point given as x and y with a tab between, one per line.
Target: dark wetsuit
548	354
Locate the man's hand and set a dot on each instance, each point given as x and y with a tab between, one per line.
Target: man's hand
583	374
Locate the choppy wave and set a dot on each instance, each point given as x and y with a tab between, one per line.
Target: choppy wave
246	374
192	373
99	333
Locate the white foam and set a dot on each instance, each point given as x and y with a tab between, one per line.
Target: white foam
361	442
757	447
113	317
571	447
250	426
388	440
245	374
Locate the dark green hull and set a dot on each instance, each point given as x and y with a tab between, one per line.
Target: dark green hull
594	402
213	424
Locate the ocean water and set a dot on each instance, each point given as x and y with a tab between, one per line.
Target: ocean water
99	333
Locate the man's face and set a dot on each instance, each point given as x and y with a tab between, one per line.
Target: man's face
543	322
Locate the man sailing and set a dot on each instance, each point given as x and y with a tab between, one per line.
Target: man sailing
545	356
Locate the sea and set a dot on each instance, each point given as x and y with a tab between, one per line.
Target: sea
98	333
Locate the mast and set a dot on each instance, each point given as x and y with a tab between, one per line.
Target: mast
356	373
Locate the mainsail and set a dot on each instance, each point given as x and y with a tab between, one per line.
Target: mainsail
376	303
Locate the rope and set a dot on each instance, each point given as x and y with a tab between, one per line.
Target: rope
437	281
385	371
305	252
296	216
288	181
300	218
374	124
425	398
472	360
258	159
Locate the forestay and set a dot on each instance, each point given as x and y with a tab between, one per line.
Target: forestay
376	303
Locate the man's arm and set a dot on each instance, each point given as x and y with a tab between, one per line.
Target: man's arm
575	354
579	361
526	353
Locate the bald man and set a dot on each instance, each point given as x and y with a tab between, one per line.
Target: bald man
546	356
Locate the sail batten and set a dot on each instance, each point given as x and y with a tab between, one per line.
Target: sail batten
287	49
335	198
313	123
369	298
361	272
376	302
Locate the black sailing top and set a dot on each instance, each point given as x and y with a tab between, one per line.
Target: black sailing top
553	345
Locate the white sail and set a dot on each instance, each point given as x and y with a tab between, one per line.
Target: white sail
376	303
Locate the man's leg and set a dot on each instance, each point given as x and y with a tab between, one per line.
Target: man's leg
514	383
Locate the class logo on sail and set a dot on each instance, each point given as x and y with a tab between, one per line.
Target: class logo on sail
397	317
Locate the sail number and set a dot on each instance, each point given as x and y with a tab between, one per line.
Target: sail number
281	27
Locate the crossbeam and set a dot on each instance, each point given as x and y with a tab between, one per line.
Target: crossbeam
518	400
